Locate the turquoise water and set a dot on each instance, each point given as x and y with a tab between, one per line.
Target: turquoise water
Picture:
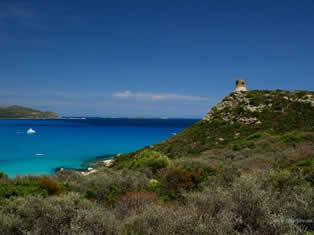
68	143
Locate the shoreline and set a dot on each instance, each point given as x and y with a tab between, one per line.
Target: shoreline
86	167
90	166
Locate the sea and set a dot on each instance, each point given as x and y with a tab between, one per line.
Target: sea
71	142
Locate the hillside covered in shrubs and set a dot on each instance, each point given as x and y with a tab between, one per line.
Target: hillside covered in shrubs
246	168
16	112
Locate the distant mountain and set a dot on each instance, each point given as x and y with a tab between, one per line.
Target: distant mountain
18	112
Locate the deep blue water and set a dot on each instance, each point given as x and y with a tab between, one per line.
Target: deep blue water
69	143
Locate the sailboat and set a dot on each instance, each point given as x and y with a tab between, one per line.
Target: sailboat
31	131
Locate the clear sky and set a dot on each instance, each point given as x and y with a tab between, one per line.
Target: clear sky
150	57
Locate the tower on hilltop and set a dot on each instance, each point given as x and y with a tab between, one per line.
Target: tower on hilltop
240	85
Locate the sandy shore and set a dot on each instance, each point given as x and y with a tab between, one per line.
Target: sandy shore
90	170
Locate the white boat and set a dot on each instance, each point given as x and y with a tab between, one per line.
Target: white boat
31	131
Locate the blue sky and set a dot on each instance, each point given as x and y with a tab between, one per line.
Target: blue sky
150	58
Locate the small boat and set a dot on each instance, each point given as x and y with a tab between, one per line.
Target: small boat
31	131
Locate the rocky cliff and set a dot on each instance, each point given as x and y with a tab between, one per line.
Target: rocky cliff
243	106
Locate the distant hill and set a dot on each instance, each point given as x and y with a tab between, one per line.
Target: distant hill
16	111
244	126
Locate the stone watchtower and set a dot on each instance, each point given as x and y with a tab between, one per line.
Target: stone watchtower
240	85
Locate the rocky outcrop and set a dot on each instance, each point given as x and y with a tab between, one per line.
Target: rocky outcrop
307	99
231	102
243	107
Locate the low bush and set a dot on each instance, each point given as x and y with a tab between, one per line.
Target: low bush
150	159
11	224
214	207
162	220
305	168
242	208
3	177
292	137
176	180
50	185
285	179
227	176
242	145
206	167
226	203
67	214
133	203
21	188
110	185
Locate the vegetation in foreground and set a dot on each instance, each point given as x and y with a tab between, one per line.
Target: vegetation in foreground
207	180
190	196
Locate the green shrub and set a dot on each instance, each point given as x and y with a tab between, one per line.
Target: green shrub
214	208
242	145
284	180
257	100
243	207
304	168
11	224
3	177
21	188
239	110
258	208
292	137
94	220
301	94
176	180
150	159
154	186
204	167
110	185
254	136
228	175
66	214
162	220
134	203
50	185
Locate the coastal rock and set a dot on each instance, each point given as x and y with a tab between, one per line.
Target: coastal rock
223	110
85	173
249	121
108	163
